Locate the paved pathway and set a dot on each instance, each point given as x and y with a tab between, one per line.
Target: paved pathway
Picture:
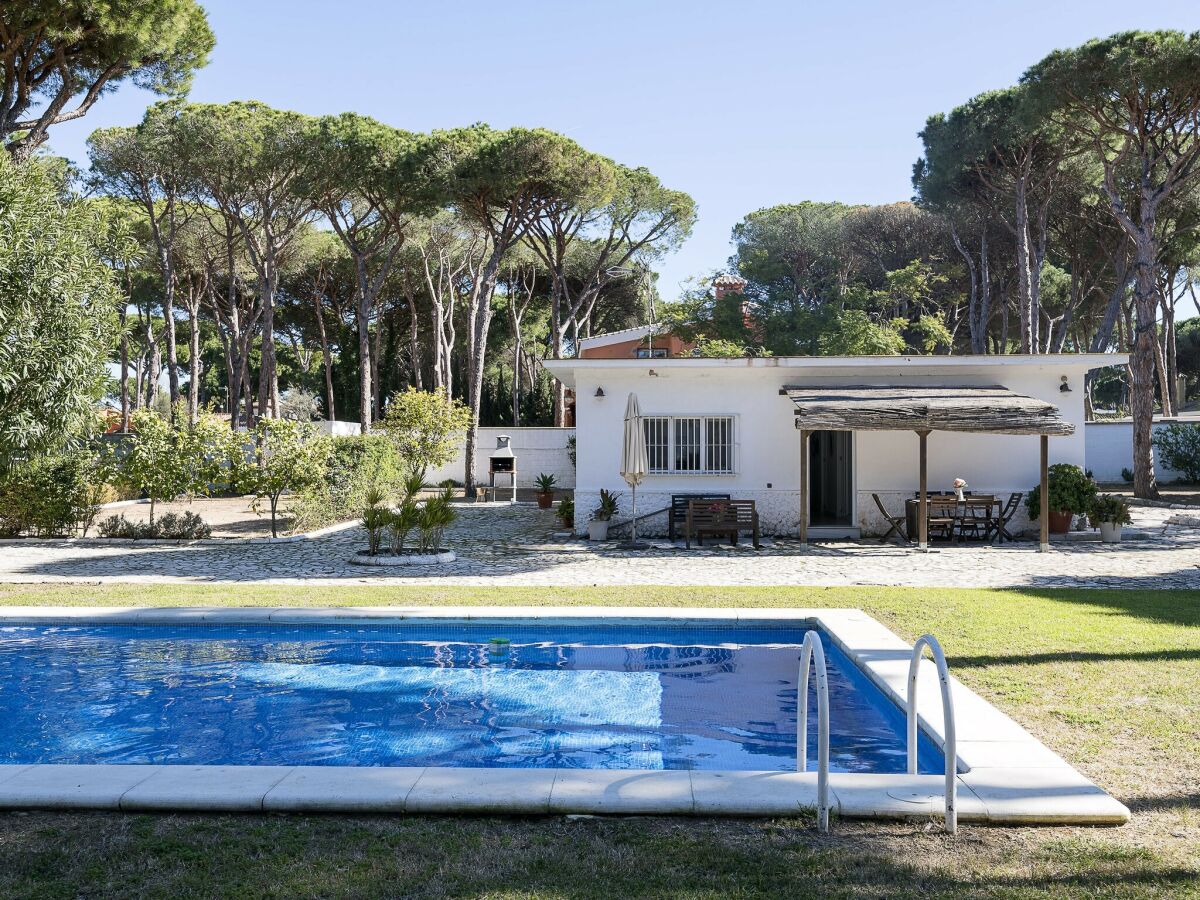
519	546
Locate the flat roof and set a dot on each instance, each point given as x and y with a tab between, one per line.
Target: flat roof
564	369
991	409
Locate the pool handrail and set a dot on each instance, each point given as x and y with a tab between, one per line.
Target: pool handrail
950	745
812	650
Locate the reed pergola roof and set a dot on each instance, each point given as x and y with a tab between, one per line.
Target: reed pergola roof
991	410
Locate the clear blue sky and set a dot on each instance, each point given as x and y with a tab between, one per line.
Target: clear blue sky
741	104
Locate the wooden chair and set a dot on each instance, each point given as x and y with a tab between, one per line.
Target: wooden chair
679	508
943	515
897	523
999	528
975	517
726	518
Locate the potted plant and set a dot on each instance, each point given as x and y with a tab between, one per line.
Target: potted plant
1109	512
545	490
566	513
602	515
1071	492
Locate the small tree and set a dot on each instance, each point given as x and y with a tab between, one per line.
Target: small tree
158	462
426	428
292	456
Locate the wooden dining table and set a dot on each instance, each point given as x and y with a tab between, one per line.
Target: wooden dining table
981	513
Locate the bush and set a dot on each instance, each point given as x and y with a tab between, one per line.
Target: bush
1178	448
53	496
186	526
356	464
1070	491
1127	475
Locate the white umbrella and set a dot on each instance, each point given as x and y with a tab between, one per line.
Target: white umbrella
634	461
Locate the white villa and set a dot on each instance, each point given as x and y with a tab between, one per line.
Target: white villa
735	426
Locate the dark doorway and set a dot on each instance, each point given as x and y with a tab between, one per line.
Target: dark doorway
831	479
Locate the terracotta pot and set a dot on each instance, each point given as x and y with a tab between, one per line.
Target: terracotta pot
1060	521
545	499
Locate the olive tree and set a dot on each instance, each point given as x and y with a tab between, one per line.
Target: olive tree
56	52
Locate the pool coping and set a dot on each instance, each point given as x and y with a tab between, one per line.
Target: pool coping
1006	776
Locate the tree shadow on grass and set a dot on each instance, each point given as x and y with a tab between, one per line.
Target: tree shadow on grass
1070	656
1142	596
420	856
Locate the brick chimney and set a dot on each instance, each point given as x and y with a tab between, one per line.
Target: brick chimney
723	285
728	284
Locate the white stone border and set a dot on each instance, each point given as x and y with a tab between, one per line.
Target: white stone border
438	558
1006	776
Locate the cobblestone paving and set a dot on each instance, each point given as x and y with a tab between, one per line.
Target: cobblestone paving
519	546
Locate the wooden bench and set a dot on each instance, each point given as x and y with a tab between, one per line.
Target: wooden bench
721	517
679	509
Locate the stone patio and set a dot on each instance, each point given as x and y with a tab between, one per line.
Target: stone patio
521	545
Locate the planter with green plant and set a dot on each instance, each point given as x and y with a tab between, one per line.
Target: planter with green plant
429	519
545	490
602	515
1071	493
566	513
1108	513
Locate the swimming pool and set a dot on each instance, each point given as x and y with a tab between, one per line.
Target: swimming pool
576	695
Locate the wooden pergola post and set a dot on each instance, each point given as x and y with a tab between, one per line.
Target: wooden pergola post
804	437
1044	512
923	505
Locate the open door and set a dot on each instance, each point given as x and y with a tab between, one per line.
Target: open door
831	479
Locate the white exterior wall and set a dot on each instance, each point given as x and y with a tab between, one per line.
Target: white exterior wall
768	444
1110	449
537	450
337	428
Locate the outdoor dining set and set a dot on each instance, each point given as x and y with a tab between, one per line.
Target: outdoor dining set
983	517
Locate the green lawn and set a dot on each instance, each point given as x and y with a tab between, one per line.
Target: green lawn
1107	678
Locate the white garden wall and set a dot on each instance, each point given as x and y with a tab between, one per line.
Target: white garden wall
1110	449
537	450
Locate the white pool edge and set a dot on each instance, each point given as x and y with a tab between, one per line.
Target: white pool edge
1006	776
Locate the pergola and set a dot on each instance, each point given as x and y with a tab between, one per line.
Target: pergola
923	408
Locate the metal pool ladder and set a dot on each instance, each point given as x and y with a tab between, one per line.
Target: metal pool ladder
814	651
950	747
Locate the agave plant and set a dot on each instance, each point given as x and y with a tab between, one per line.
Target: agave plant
401	522
375	518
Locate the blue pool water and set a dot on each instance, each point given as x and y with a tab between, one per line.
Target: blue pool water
580	696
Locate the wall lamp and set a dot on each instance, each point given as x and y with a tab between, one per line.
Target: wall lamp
599	395
1064	387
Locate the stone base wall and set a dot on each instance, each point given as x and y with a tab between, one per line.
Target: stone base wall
778	511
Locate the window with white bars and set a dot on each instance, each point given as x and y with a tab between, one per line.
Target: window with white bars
690	445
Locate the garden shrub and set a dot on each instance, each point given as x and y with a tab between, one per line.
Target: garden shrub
1070	491
52	496
1178	448
356	464
185	526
